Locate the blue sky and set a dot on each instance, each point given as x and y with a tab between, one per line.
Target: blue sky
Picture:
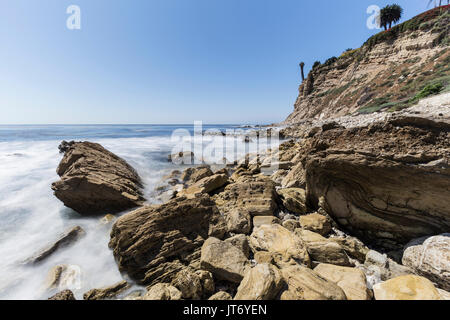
168	61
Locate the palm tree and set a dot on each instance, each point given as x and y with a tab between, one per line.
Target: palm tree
389	15
302	66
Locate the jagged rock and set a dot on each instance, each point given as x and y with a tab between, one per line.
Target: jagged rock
316	223
262	282
192	175
189	284
256	195
278	176
430	257
107	292
162	291
445	295
305	284
223	260
95	181
387	183
262	220
63	295
323	250
240	241
205	185
238	221
409	287
221	296
294	200
353	247
207	280
65	240
183	157
351	280
276	239
152	244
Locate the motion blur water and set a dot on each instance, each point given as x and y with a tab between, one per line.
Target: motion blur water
31	217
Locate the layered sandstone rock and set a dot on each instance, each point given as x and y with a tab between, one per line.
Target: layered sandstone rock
262	282
409	287
96	181
153	244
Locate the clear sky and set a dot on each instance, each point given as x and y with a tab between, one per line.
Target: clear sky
169	61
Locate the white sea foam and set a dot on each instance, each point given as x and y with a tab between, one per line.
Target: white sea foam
31	217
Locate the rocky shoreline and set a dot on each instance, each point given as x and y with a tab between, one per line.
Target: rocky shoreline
348	213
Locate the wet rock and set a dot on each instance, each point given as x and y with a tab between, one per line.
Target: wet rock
183	157
409	287
65	240
107	292
305	284
294	200
351	280
430	257
63	277
96	181
223	260
63	295
316	223
154	243
262	282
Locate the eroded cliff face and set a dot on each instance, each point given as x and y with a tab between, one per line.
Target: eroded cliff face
384	74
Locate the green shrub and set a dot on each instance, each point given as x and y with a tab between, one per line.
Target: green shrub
428	90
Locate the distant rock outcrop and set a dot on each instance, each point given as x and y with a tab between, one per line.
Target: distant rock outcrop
96	181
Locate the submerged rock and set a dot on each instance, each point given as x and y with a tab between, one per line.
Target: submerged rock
96	181
63	295
65	240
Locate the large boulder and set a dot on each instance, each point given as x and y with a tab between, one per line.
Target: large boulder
305	284
262	282
387	183
351	280
154	243
224	260
409	287
430	257
96	181
278	240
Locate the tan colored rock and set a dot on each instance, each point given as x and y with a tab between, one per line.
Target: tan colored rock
238	221
262	220
221	296
305	284
291	224
107	292
207	281
276	239
153	244
240	241
430	257
63	277
205	185
316	223
408	287
95	181
256	195
223	260
162	291
445	295
189	284
351	280
294	200
353	247
323	250
192	175
295	177
262	282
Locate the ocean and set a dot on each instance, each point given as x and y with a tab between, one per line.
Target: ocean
31	217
